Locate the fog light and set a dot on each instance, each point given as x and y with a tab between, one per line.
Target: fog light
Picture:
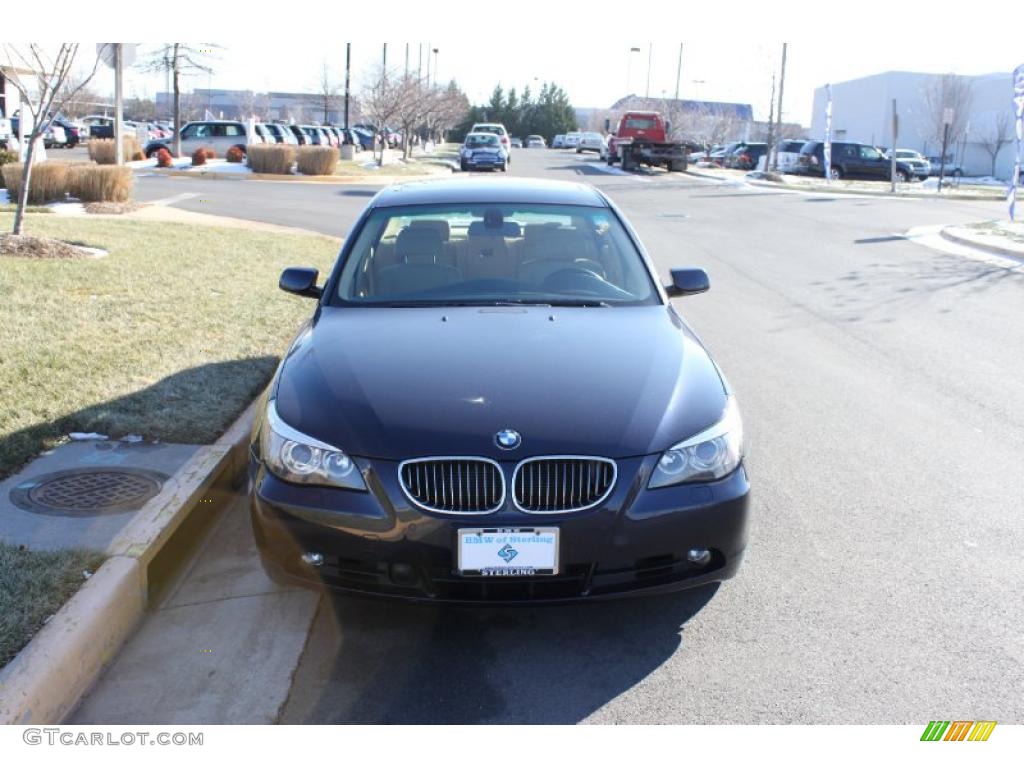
403	574
699	556
314	559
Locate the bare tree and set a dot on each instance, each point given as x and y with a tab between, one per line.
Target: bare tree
327	93
79	99
946	92
447	108
40	95
382	102
248	105
997	136
180	59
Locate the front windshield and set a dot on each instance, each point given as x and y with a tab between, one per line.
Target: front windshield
488	254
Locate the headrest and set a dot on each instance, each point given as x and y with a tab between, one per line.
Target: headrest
439	224
507	229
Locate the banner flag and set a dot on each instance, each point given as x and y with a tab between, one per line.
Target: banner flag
827	150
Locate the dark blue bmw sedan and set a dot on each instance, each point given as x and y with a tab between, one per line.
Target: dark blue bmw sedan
494	400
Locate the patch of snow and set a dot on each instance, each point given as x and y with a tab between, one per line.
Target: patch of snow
67	209
219	166
87	436
150	163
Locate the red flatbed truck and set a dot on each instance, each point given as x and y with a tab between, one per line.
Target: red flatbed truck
642	138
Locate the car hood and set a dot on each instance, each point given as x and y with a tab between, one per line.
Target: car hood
400	383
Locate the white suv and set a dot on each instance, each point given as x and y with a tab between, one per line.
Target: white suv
218	135
502	134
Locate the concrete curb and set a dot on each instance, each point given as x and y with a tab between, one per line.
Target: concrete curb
45	681
837	191
371	180
997	250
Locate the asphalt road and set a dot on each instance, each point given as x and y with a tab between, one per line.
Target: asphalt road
882	388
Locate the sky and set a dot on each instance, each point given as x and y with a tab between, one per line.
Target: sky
597	73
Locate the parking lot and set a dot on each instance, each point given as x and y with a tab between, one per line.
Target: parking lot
880	382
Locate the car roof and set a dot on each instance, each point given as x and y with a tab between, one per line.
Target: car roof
514	190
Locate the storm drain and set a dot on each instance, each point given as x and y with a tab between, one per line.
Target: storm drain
88	492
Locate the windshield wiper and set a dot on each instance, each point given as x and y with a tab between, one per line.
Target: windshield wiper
579	303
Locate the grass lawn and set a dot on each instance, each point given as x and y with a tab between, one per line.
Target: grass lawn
415	167
33	585
170	336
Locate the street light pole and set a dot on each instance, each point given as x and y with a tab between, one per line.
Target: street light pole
348	71
650	54
778	116
428	65
436	50
629	69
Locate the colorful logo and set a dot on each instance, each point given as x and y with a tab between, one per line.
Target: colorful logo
958	730
507	554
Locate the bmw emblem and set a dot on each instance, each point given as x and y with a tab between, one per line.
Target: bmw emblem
508	439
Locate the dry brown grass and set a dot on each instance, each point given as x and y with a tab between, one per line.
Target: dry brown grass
271	158
30	247
317	161
100	183
103	151
48	182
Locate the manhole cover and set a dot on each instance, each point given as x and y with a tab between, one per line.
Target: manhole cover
88	492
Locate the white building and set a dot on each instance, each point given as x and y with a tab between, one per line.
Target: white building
862	112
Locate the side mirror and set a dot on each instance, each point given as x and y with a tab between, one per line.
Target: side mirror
687	281
607	125
301	281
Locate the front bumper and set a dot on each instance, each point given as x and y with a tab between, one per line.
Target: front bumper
378	543
484	161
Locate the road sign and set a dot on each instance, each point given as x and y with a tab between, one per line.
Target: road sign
106	53
947	116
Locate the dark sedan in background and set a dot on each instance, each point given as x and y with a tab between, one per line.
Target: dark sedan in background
494	400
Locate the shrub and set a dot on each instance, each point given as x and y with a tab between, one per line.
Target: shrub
138	155
163	158
235	155
210	154
199	157
271	158
103	150
100	183
6	156
48	182
317	161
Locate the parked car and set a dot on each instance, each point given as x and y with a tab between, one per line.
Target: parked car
364	139
516	142
72	134
218	135
301	138
397	488
533	141
851	160
591	141
572	139
788	154
747	157
53	134
263	134
952	167
559	141
279	134
482	150
499	130
919	165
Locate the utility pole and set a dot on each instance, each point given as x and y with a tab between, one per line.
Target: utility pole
679	70
419	66
348	71
385	62
947	118
118	105
892	149
778	116
406	61
428	65
650	54
771	126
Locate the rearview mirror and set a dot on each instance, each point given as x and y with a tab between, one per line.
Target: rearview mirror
687	281
301	281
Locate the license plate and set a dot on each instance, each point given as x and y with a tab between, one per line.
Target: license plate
508	551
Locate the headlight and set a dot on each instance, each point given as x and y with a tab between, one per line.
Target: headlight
709	455
299	458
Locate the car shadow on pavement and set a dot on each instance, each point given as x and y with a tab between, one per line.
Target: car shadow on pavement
380	662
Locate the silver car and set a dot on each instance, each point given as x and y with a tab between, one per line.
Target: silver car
218	135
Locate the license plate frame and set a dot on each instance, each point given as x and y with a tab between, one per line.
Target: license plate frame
542	558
